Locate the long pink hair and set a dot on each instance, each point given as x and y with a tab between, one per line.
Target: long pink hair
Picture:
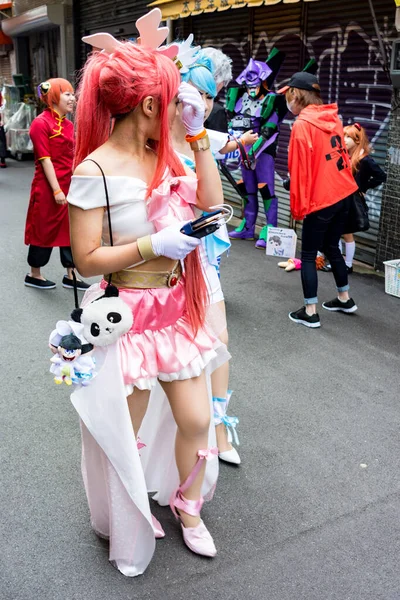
111	86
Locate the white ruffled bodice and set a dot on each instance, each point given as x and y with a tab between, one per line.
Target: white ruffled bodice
128	209
133	214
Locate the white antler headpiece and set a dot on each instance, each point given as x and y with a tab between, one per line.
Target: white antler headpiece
151	35
186	54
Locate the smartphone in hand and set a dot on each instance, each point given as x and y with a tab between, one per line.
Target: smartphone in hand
204	225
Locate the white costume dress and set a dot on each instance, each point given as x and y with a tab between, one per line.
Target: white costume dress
117	480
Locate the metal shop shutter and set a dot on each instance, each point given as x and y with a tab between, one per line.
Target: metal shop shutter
5	69
343	40
228	31
113	16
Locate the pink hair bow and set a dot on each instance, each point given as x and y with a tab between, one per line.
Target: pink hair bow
173	197
208	454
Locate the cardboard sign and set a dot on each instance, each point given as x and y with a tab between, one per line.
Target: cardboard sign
281	242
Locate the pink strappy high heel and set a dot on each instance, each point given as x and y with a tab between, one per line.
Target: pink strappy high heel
197	539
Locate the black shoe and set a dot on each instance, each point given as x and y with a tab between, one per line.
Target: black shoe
80	285
40	284
337	305
349	270
327	268
301	316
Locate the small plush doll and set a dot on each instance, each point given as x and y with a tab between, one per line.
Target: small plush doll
292	264
105	319
71	363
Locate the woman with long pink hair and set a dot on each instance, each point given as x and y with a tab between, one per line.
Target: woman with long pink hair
159	276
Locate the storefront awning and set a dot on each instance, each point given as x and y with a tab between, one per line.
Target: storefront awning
36	19
179	9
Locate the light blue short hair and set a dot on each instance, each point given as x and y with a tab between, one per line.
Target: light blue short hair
200	74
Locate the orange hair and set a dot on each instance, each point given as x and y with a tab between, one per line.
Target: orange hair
363	146
57	87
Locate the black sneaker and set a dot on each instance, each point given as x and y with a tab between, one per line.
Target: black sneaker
40	284
327	268
349	270
300	316
337	305
69	284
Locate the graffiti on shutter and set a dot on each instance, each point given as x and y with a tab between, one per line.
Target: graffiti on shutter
340	36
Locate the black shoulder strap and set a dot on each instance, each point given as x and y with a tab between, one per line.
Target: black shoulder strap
107	198
108	209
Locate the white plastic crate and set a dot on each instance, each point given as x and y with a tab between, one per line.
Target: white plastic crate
392	277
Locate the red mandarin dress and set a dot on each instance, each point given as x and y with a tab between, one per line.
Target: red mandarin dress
47	223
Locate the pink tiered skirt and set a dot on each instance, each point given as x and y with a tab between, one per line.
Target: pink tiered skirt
160	343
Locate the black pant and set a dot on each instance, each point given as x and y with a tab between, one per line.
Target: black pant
3	144
39	257
322	230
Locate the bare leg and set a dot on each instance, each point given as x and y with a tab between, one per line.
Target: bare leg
70	276
191	410
219	386
137	404
348	237
35	272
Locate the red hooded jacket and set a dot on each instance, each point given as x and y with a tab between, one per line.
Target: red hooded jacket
319	164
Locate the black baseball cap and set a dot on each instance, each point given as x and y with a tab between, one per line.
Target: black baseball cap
302	81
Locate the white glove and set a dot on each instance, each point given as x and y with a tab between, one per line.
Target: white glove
192	108
170	242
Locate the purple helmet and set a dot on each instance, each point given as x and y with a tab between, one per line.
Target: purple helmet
255	72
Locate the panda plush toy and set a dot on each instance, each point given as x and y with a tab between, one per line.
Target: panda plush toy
105	319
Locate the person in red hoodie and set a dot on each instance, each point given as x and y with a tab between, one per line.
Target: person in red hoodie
320	183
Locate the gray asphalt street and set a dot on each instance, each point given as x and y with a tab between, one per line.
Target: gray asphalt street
313	512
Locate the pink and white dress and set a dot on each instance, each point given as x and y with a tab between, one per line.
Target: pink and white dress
159	346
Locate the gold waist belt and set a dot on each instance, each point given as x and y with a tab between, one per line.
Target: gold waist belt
129	278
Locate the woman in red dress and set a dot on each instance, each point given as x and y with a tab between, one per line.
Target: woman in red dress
47	224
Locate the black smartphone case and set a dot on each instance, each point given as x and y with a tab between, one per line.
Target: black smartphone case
195	229
200	232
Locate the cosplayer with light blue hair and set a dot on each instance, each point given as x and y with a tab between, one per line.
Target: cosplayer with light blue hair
200	74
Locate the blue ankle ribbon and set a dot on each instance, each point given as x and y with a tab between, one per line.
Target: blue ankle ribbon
230	424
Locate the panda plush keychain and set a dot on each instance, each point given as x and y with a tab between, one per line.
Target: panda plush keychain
99	323
105	319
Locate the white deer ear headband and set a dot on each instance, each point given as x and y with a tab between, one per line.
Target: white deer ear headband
186	55
151	36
